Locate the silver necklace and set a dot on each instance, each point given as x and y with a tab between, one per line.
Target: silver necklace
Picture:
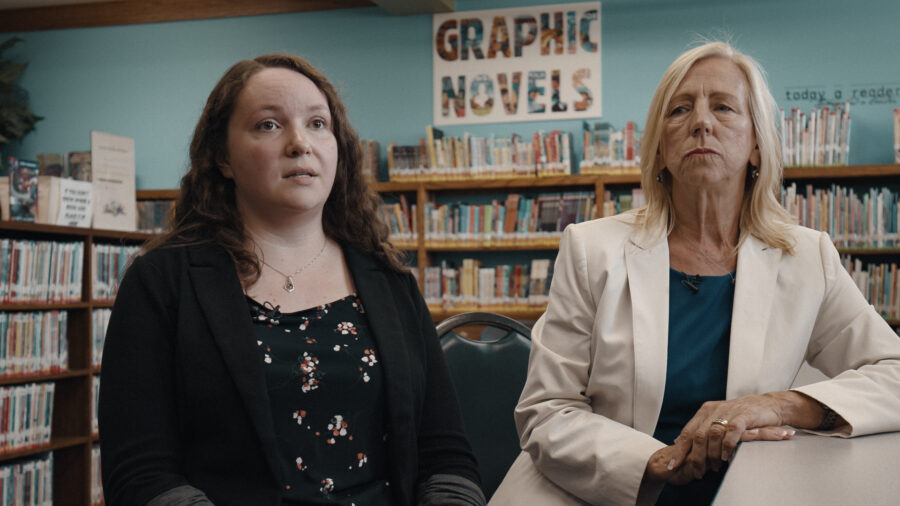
288	285
709	260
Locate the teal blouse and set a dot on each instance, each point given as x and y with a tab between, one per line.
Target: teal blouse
696	366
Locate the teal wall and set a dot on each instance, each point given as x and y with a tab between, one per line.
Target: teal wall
150	81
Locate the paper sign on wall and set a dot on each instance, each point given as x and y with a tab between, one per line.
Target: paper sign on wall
520	64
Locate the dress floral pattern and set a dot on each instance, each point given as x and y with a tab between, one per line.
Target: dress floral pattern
325	386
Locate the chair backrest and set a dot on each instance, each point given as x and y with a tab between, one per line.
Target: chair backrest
488	376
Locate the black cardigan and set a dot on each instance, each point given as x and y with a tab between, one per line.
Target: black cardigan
183	398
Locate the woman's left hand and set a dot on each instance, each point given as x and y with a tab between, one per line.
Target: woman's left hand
666	463
712	435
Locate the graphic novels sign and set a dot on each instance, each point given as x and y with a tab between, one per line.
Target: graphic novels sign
521	64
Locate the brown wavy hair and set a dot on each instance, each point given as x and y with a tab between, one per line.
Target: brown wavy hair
206	210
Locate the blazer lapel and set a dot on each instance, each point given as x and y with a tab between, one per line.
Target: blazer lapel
647	263
757	272
373	288
222	301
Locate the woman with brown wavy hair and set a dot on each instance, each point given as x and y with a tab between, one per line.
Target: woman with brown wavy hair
272	348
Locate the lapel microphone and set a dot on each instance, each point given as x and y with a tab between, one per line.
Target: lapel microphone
268	312
692	283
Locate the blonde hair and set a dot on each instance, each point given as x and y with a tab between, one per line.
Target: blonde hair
761	214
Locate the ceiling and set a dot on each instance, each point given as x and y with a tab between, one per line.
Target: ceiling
28	15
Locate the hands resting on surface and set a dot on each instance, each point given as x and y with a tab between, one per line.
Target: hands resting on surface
711	436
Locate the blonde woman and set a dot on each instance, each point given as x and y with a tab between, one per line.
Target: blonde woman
675	332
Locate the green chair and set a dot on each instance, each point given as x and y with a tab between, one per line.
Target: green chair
488	372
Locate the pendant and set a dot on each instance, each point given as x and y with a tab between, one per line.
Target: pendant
288	285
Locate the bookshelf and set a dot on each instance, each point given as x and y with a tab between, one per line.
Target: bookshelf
426	249
614	178
72	437
871	176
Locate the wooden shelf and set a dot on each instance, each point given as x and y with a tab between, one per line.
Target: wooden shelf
54	306
158	194
40	377
544	245
620	178
44	306
119	234
869	251
841	171
496	183
530	313
492	245
812	172
387	187
56	230
27	226
55	443
405	245
78	14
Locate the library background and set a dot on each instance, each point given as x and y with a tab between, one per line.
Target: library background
478	207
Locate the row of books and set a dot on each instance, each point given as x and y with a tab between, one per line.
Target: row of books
820	137
35	195
878	282
866	220
26	416
154	215
74	164
27	482
438	157
96	482
896	135
518	218
33	342
470	284
108	264
40	271
607	150
621	202
371	156
99	321
95	404
401	218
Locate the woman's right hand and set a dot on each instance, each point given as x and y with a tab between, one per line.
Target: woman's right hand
667	464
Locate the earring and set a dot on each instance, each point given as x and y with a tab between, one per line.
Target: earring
752	172
660	177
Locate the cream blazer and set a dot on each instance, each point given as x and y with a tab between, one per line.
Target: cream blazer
597	370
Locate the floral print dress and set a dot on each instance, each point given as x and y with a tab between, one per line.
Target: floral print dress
325	385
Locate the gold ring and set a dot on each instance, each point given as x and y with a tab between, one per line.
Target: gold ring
721	421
